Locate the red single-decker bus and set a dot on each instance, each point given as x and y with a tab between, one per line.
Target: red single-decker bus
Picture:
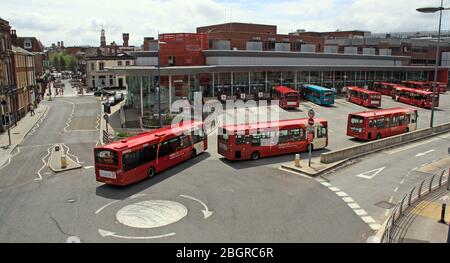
253	141
142	156
377	124
363	97
415	97
288	98
385	88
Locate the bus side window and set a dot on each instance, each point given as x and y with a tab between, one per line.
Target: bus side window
256	139
185	141
149	153
283	136
322	132
296	135
164	149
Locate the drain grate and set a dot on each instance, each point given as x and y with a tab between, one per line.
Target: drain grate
385	205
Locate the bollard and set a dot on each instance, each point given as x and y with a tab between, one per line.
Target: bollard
63	162
297	160
443	214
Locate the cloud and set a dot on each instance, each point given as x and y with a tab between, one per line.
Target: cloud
78	22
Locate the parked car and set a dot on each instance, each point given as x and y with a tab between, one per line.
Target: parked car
119	97
104	92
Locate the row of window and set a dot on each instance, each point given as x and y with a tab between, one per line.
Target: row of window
391	122
284	136
406	94
149	153
101	65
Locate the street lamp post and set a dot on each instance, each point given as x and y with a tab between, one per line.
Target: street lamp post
434	10
158	88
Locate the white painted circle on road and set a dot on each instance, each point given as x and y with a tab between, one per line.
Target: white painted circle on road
151	214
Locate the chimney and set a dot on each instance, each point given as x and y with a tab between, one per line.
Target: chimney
59	44
126	37
13	37
62	44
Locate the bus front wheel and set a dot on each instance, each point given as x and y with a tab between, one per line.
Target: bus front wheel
255	156
151	172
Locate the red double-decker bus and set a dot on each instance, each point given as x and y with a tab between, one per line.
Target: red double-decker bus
253	141
385	88
441	86
377	124
363	97
288	97
415	97
144	155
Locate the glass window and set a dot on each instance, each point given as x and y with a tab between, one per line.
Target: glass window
132	160
174	145
241	139
322	132
283	136
149	153
164	149
358	120
256	139
185	141
106	157
119	63
297	134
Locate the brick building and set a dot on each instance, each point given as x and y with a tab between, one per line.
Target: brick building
7	76
244	36
25	80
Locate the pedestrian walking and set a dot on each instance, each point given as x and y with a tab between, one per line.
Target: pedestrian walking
31	110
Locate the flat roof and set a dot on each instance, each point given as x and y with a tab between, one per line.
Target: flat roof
251	53
318	87
374	113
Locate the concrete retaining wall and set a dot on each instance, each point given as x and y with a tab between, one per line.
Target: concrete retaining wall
370	147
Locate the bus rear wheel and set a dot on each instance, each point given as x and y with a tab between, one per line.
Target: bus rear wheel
193	153
378	136
255	156
151	172
407	130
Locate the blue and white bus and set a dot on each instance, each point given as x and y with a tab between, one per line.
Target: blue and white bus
319	95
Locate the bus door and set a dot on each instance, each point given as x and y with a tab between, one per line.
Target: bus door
198	138
412	121
320	137
395	124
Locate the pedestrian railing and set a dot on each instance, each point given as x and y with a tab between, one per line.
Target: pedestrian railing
392	229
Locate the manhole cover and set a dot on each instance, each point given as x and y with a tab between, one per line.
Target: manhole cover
151	214
385	205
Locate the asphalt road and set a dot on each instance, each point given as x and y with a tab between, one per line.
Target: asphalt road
207	199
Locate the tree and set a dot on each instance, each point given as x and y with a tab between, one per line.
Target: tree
55	63
62	63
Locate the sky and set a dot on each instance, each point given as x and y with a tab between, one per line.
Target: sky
78	22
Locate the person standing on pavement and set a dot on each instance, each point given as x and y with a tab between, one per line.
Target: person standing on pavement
32	110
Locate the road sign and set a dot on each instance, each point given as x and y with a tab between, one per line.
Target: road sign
310	122
106	117
311	114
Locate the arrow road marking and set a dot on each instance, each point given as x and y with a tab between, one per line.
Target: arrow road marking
424	153
371	174
206	212
105	233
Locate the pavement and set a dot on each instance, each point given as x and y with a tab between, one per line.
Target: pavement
422	221
19	132
316	169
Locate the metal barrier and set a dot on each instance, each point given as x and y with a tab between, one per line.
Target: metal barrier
390	229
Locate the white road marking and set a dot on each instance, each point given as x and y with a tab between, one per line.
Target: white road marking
151	214
412	146
334	189
391	199
105	206
396	190
348	199
375	227
371	174
342	194
137	196
386	214
45	164
206	212
354	206
73	239
368	219
425	153
105	233
360	212
402	181
88	167
326	184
